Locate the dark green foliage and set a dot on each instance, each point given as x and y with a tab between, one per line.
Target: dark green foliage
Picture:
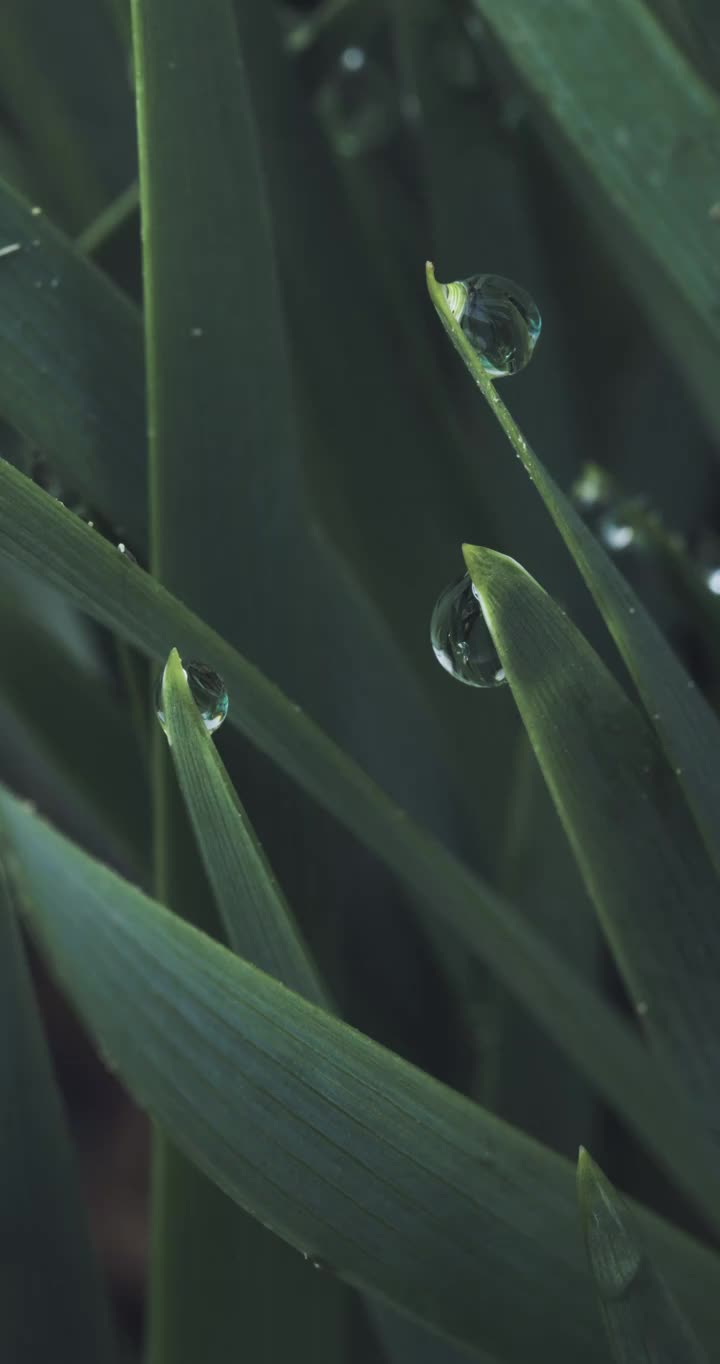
217	350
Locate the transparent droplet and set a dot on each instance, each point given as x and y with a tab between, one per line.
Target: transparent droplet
713	581
126	553
461	640
358	104
500	320
207	690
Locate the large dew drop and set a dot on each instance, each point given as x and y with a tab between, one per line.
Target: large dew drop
208	692
461	641
500	320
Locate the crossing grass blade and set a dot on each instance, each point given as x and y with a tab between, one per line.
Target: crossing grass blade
642	1320
396	1183
46	538
688	729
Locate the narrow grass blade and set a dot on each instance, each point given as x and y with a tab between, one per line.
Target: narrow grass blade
74	114
258	923
43	536
393	1181
642	1320
109	220
642	857
650	146
51	1299
688	729
71	376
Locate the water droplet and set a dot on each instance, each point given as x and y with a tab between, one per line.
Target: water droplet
316	1262
592	489
207	690
36	210
127	553
358	104
642	1007
615	533
196	331
10	249
461	640
500	320
713	581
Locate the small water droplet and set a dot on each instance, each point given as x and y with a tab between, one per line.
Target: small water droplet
713	581
196	331
353	59
461	640
10	249
36	210
207	690
615	533
316	1262
127	553
642	1007
592	489
499	318
54	282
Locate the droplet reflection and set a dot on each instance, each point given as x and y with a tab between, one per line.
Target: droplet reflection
461	640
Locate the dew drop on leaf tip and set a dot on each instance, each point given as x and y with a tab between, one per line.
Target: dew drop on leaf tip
460	638
207	690
499	319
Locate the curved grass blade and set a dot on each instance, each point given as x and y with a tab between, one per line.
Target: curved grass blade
71	339
644	863
52	1300
399	1184
688	729
258	923
642	1320
651	146
37	532
74	114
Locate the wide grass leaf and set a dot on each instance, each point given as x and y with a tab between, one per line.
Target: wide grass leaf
52	1303
43	536
71	377
642	857
642	1320
393	1181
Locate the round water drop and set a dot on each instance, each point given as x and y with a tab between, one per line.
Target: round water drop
500	320
461	641
207	690
616	533
713	581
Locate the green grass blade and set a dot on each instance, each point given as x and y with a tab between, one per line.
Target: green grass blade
641	1318
74	114
397	1183
651	146
51	1298
109	220
71	366
258	923
43	536
688	729
642	857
